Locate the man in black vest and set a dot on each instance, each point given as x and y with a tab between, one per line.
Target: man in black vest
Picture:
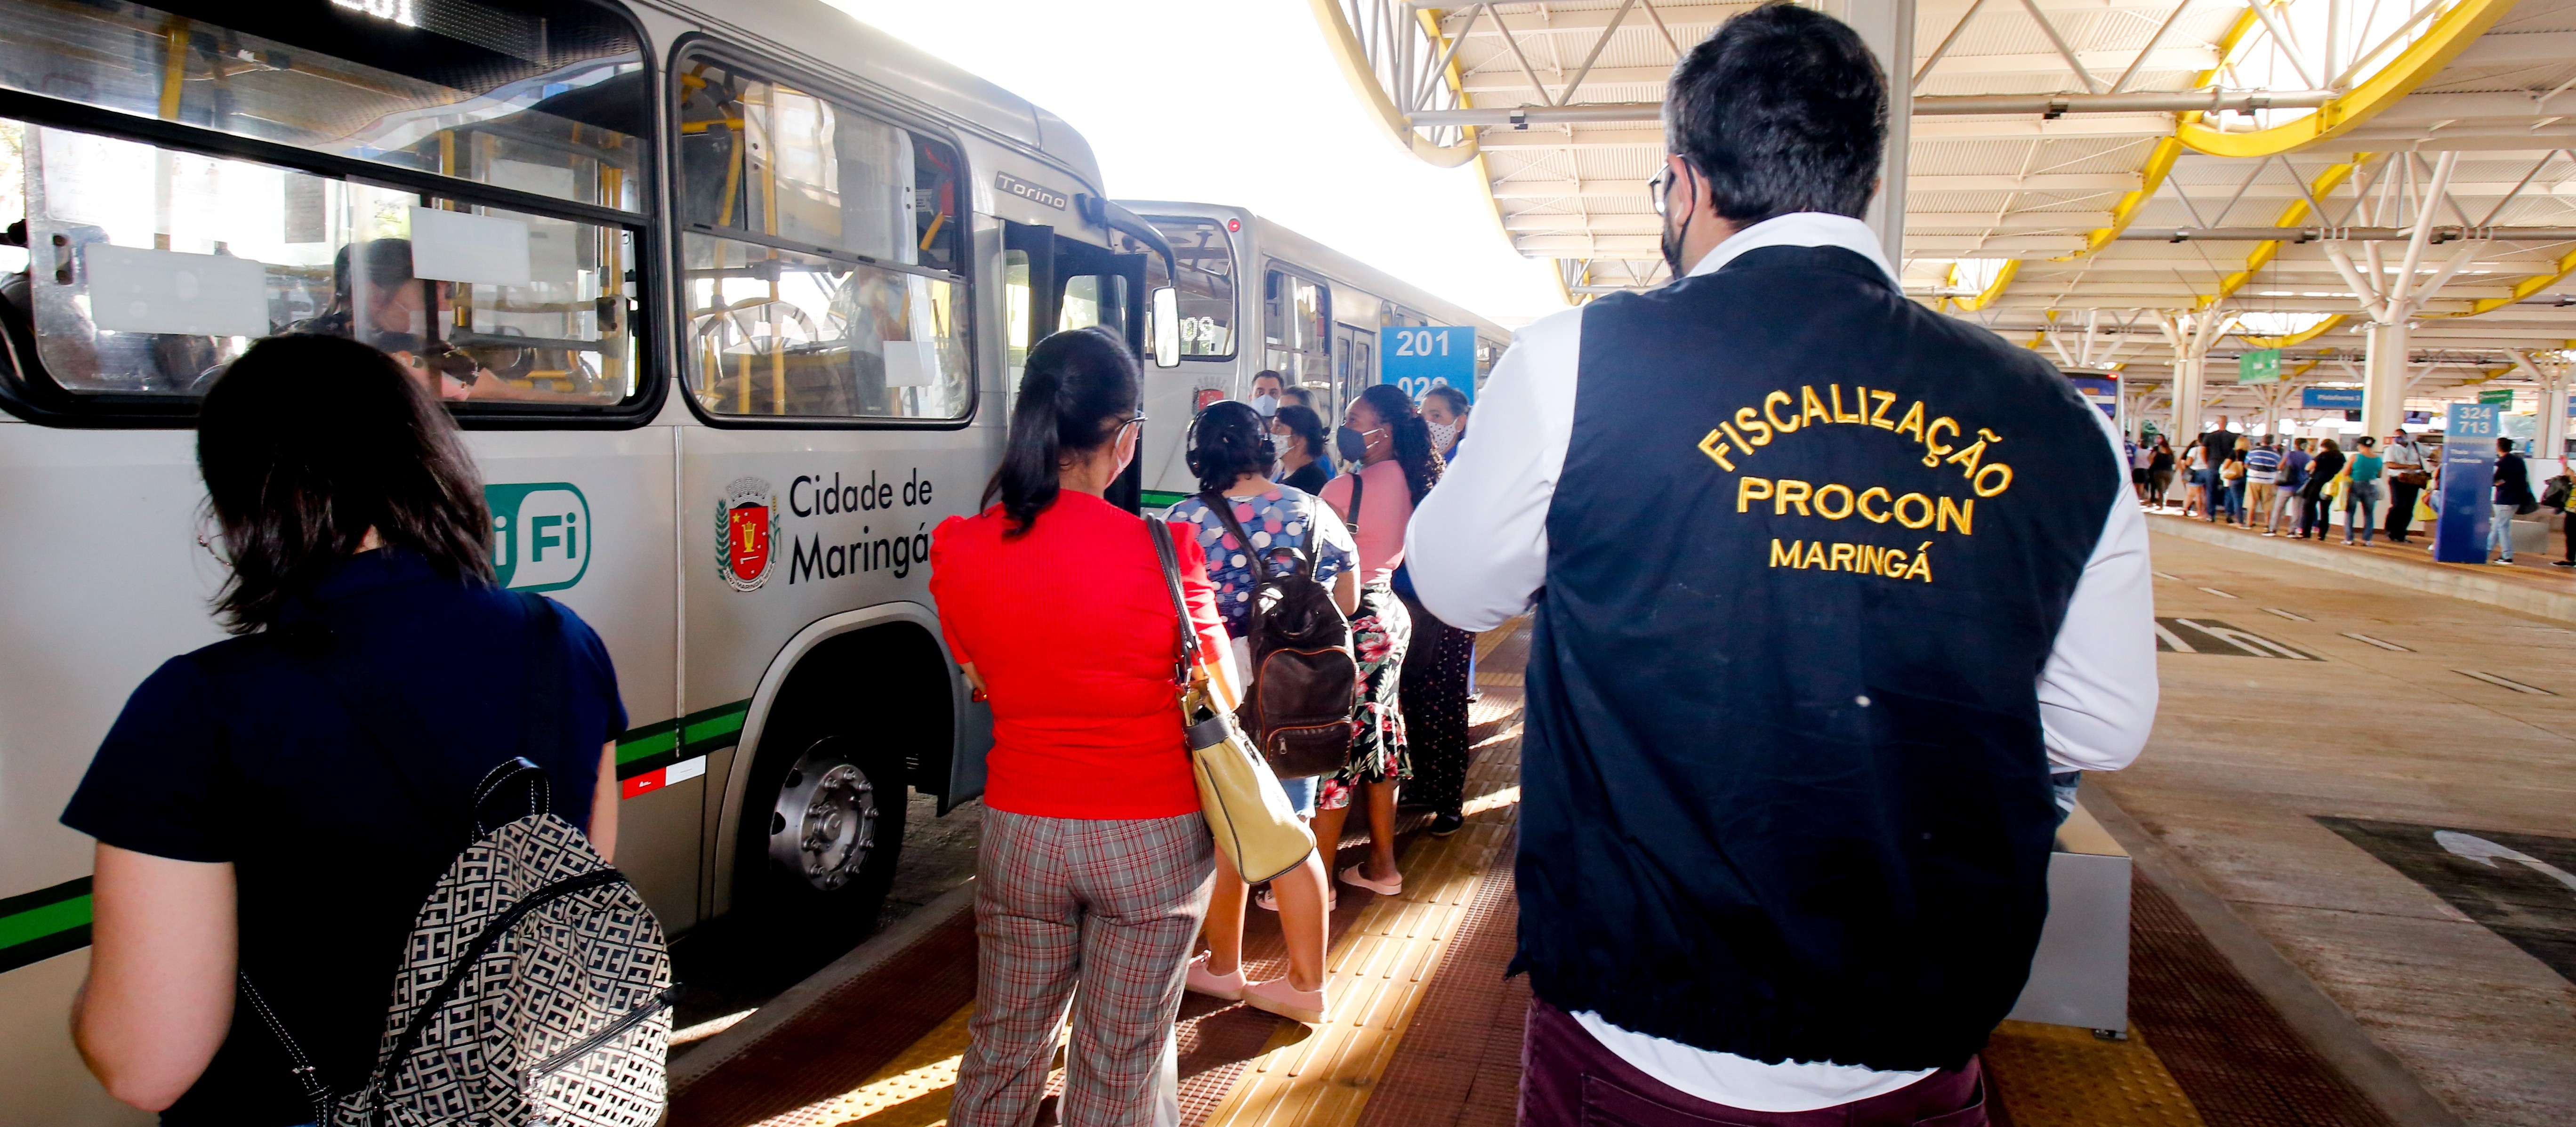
1825	585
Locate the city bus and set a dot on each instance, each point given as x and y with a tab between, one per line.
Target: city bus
729	299
1254	296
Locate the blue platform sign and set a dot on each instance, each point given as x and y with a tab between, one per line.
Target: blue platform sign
2468	482
2331	399
1419	359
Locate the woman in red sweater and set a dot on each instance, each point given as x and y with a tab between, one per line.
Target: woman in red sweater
1096	864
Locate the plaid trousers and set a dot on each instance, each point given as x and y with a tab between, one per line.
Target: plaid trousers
1103	911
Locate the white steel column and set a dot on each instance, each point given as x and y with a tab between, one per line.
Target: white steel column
1887	26
2384	377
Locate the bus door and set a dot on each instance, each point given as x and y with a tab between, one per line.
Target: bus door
1354	361
1058	284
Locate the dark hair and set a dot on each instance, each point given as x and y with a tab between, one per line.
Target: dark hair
2364	440
2504	446
1228	441
1304	398
386	263
1783	109
1079	388
308	441
1283	380
1422	465
1307	426
1456	399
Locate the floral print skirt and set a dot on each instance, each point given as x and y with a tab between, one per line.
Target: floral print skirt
1380	632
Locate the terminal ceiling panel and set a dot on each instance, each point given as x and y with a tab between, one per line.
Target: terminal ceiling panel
2114	182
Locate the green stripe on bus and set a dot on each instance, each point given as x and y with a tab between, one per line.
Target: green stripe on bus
664	742
1160	499
37	923
51	911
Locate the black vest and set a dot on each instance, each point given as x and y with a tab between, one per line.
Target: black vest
1783	789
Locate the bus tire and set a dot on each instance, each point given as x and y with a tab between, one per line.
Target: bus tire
823	824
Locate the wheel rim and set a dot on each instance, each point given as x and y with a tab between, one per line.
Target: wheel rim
824	824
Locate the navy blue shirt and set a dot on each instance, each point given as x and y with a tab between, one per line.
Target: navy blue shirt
240	752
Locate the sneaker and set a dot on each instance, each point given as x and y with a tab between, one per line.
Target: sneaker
1355	878
2271	534
1202	981
1443	824
2562	563
2347	540
1276	996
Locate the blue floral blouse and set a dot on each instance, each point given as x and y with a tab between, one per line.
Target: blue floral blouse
1284	517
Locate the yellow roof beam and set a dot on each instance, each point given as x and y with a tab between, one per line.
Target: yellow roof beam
2450	34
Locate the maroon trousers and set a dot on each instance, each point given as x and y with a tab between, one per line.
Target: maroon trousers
1568	1079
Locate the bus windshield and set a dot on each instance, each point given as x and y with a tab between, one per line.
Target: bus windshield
1205	285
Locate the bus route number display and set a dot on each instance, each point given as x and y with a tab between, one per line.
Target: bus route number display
1419	359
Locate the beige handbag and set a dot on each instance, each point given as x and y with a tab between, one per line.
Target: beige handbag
1254	826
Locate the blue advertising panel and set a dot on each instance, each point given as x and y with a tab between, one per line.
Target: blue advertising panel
2331	399
1419	359
2100	391
2468	482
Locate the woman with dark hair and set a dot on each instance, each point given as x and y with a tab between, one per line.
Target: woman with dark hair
1230	451
1095	866
1301	453
241	791
1385	435
1444	410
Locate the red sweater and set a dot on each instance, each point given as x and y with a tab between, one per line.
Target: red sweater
1071	628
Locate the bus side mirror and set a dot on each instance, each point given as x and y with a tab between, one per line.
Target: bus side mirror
1167	327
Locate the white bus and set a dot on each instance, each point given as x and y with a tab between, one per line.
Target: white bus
728	298
1254	296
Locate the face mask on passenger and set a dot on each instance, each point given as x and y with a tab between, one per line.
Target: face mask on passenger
1351	444
1268	405
1442	434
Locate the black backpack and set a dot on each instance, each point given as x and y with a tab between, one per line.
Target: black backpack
1305	680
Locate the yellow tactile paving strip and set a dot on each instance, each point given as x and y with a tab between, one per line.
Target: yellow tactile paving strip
2060	1076
910	1091
1379	972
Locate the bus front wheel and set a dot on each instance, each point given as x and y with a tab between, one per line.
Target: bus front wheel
824	838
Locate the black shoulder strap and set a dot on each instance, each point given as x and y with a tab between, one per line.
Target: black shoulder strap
1359	489
1185	646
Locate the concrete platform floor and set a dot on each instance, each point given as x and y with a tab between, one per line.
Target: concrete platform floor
2380	716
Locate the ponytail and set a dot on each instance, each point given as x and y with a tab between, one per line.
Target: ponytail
1422	465
1079	387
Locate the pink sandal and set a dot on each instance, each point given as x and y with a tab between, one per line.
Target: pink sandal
1276	996
1263	900
1355	878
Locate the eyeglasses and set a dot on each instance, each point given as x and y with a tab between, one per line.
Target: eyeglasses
1658	186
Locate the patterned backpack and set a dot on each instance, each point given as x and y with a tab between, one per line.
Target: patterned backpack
535	986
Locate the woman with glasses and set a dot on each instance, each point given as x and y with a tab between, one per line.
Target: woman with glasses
1095	866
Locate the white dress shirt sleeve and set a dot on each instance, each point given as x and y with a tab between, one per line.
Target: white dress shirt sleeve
2097	694
1477	545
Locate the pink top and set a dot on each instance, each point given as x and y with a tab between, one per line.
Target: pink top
1379	529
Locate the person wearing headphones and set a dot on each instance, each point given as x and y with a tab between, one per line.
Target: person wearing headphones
1230	449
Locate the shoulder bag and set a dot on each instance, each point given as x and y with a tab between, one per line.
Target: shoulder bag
1246	811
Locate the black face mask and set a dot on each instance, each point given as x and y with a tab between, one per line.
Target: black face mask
1671	241
1350	444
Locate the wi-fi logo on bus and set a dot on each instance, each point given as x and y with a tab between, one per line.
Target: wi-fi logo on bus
540	535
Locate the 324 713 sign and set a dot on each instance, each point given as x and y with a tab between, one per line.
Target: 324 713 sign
1419	359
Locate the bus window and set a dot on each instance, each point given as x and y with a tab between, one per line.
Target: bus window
1205	285
1299	324
819	264
149	269
544	96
